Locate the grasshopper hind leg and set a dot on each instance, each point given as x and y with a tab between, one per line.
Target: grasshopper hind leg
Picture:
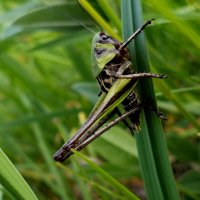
126	123
129	103
132	101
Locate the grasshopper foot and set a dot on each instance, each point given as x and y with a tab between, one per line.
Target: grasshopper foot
158	113
150	104
162	76
161	115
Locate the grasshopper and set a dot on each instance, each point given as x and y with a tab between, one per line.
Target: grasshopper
113	70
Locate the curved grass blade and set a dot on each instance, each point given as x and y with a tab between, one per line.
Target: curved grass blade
11	178
118	186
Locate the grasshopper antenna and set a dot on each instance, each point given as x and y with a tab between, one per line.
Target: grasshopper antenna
89	16
70	17
86	27
135	34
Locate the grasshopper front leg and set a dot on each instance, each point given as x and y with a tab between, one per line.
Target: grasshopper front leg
125	66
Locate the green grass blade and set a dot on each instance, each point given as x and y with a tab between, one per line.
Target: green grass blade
63	192
177	102
182	26
145	153
127	194
11	179
107	8
95	15
153	123
81	183
160	172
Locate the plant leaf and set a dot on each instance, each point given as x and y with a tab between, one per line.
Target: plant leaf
11	178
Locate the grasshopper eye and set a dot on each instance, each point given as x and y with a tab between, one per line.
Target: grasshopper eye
104	37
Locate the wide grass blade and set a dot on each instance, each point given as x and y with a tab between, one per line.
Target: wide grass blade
95	15
11	179
151	144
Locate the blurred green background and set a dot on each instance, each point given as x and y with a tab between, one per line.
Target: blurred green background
47	91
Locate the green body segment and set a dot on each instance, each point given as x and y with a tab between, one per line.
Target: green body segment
112	99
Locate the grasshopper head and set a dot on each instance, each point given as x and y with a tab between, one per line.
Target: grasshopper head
104	49
103	38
